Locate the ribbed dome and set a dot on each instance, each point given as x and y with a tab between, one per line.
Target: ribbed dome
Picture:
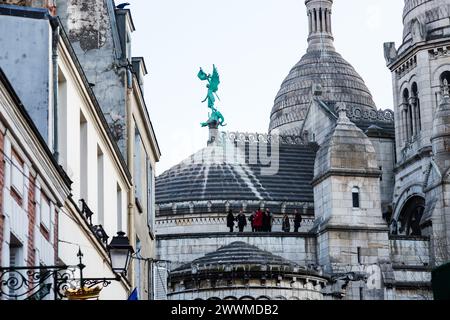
237	254
339	80
321	65
240	253
212	175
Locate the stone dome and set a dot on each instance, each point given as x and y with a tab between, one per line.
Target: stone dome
240	271
348	149
339	81
323	66
240	253
213	176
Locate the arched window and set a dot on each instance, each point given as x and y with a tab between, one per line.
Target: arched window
445	76
406	116
410	217
416	107
355	197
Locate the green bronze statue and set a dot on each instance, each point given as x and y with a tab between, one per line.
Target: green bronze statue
216	119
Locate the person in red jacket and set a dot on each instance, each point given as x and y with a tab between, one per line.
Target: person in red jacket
258	222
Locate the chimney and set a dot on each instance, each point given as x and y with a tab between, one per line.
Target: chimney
49	4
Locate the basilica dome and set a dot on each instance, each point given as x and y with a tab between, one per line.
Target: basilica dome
323	66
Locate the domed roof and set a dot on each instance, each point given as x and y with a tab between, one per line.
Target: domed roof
321	65
211	175
347	150
339	80
237	254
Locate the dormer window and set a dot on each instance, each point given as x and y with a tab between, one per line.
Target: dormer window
128	46
355	197
126	28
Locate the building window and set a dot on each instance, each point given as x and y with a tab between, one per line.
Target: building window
17	176
100	186
137	267
45	212
150	195
445	79
119	208
140	171
355	197
416	107
406	116
83	158
62	120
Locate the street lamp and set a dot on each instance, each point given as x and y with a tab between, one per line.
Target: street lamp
31	282
120	252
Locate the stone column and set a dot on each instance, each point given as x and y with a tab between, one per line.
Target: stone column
310	21
408	123
404	123
412	120
413	103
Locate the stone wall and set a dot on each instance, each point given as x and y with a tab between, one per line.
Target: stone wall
254	290
409	251
385	150
2	182
333	200
28	66
181	249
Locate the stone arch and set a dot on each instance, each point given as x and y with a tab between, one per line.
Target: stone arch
445	76
410	216
280	298
408	192
415	105
214	298
230	298
403	86
412	78
405	95
263	298
247	298
437	73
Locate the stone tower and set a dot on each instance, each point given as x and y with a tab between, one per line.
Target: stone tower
437	217
352	236
319	19
420	74
321	65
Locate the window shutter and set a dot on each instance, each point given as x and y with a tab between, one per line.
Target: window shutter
160	281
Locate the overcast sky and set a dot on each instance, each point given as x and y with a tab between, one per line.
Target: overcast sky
254	44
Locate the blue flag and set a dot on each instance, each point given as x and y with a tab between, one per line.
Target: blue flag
134	295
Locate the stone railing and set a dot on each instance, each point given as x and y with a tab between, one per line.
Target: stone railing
358	114
241	137
216	223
